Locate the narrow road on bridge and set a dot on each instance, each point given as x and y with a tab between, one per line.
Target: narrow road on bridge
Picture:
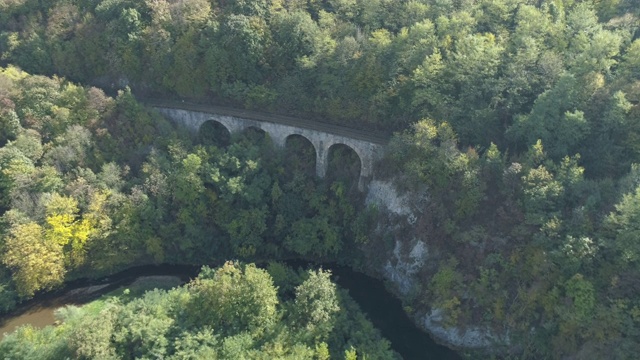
370	136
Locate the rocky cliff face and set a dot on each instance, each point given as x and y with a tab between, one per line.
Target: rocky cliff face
409	257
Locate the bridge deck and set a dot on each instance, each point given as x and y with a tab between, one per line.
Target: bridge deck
373	137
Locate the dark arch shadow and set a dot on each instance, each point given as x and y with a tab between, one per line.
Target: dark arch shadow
254	135
214	133
300	155
344	164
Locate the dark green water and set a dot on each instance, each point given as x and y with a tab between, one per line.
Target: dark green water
382	308
387	314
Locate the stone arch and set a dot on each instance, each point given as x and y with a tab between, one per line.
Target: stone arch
341	146
303	161
255	132
300	136
214	132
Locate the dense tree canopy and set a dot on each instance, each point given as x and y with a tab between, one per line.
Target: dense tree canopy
538	245
91	183
233	312
503	71
518	138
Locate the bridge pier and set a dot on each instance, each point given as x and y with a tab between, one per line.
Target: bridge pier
322	159
279	140
366	171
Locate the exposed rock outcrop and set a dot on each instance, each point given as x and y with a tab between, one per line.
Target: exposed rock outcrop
409	257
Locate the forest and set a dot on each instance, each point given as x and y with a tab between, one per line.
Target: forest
234	312
518	119
93	184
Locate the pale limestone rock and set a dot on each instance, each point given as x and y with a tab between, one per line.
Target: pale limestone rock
472	337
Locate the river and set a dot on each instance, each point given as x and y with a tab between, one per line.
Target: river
382	308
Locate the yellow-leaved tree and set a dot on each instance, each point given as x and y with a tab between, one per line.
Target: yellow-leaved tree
36	262
65	229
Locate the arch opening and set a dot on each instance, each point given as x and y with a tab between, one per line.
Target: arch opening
254	135
299	155
214	133
344	164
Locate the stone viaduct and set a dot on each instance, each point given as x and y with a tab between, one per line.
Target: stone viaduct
368	147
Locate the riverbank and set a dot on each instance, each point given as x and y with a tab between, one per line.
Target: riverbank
382	308
40	312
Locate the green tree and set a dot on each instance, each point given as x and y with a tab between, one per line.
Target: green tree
554	119
316	305
9	124
541	195
91	336
624	224
244	40
591	49
234	299
200	345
